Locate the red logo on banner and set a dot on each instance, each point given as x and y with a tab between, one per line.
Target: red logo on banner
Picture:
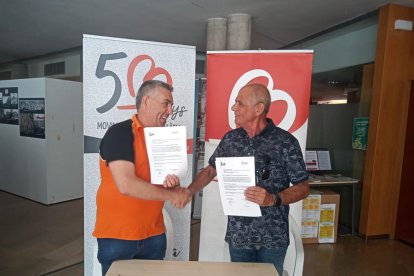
287	75
152	73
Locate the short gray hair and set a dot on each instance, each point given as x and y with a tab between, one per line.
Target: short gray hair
261	95
147	88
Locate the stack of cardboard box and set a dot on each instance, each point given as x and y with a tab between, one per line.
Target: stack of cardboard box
320	215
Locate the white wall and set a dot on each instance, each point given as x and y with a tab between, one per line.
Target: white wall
35	66
64	135
72	64
45	170
23	159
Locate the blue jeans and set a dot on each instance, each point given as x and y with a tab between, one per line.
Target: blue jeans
275	256
110	250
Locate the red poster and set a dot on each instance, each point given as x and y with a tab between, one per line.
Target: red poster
287	75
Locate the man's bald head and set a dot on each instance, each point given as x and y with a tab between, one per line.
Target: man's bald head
259	93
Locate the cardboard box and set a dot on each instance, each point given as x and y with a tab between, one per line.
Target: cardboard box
329	203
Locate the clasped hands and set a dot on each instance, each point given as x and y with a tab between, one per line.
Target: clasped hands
180	196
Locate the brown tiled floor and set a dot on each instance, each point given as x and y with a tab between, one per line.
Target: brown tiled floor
355	256
36	239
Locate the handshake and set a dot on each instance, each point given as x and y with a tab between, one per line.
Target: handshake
179	197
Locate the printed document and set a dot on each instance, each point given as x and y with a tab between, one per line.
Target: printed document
234	175
327	224
310	215
167	152
324	160
311	160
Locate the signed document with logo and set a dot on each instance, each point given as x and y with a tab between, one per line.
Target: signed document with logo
167	152
234	175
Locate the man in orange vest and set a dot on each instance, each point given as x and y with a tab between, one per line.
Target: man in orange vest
129	220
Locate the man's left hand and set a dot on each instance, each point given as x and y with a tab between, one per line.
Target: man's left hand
259	195
171	181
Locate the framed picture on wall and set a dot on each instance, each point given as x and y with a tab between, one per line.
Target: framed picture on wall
9	113
32	117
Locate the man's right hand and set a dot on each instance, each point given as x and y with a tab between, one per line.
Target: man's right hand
181	196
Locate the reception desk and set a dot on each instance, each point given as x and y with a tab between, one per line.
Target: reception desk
178	268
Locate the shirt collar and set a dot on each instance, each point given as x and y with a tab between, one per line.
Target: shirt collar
135	122
270	125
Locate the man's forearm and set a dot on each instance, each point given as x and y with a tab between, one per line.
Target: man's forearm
141	189
202	179
295	193
123	173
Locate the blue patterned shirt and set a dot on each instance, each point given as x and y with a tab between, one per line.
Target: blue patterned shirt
278	162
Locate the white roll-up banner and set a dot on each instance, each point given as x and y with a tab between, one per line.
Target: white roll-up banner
113	70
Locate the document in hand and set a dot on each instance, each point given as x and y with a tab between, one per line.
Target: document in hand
234	175
167	152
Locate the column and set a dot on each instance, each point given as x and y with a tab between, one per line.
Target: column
216	34
239	29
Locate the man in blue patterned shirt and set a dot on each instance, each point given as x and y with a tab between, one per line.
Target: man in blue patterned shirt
278	162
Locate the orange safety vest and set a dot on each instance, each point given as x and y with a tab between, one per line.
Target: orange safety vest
123	217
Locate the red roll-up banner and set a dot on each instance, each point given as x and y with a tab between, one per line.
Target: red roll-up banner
287	75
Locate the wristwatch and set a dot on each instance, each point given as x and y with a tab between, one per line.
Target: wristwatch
278	200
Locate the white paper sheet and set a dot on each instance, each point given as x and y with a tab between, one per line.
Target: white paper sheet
310	215
324	160
234	175
167	152
311	160
327	223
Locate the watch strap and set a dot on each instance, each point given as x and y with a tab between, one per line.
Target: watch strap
278	200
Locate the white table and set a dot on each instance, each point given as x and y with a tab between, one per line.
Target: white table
180	268
336	180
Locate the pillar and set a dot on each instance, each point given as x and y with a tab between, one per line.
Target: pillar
216	34
239	29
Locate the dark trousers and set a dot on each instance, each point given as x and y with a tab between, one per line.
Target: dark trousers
110	250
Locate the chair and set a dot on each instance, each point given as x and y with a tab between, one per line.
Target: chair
295	256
